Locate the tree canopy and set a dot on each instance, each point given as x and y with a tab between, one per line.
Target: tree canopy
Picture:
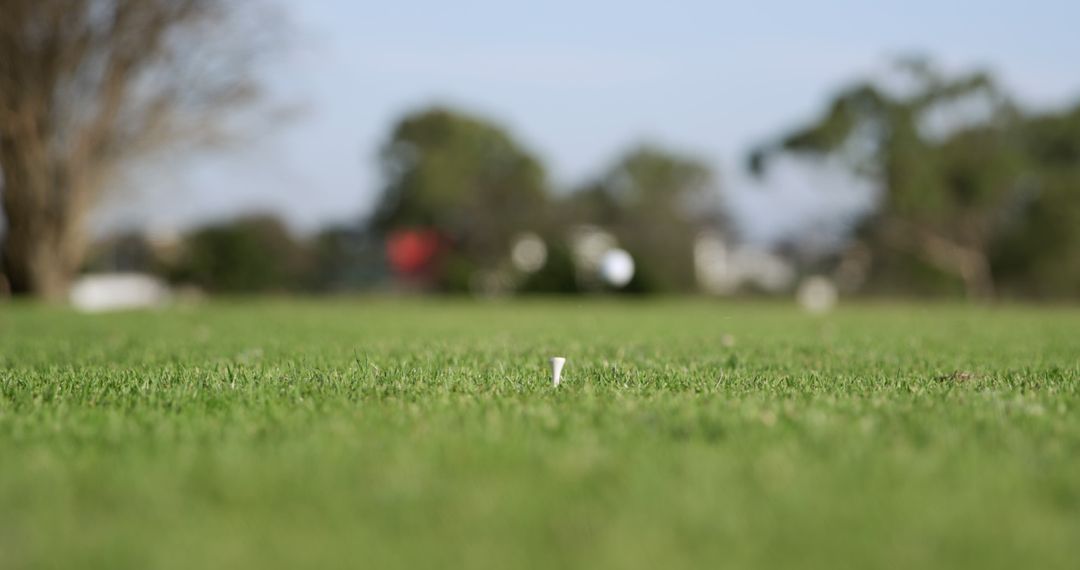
466	177
655	200
960	168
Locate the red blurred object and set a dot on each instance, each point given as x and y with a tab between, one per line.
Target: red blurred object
413	252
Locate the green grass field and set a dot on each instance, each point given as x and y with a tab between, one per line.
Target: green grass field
426	434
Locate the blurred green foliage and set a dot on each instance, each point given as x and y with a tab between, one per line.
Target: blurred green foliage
253	254
466	177
975	190
978	197
469	179
655	201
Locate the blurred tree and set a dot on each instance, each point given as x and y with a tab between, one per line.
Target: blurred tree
1037	249
655	201
87	86
464	177
943	150
252	254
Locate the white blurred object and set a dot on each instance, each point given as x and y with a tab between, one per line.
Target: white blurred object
617	267
722	269
817	294
712	265
557	363
767	270
118	291
529	254
589	244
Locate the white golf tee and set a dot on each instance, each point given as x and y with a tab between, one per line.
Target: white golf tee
557	363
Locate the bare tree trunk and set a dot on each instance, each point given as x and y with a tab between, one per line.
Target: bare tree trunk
35	267
42	245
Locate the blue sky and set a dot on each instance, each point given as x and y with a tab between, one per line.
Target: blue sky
578	82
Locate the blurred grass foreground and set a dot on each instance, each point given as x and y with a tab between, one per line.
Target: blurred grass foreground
427	434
